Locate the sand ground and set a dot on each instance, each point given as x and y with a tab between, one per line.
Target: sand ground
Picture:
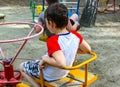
104	39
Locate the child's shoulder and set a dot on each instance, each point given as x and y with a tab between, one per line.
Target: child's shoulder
53	38
77	34
74	32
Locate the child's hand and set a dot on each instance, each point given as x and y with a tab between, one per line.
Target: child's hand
37	29
42	64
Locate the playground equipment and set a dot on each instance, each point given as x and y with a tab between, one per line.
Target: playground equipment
73	7
104	6
37	8
89	13
77	77
10	77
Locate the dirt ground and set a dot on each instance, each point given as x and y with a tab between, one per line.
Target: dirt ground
104	39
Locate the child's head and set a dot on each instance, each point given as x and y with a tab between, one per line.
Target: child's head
49	2
58	14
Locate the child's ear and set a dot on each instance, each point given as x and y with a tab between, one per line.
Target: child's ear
52	24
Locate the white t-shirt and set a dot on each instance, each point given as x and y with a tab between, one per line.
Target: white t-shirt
68	43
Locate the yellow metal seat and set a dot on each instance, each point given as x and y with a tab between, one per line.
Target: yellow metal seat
76	77
64	82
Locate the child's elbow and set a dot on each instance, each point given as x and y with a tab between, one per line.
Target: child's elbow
84	51
89	49
62	65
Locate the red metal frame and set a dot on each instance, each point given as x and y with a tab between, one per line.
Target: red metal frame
10	77
112	5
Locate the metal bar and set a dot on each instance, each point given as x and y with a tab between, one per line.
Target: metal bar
20	39
43	5
72	8
114	4
82	64
41	78
78	6
29	36
69	2
86	75
20	48
3	56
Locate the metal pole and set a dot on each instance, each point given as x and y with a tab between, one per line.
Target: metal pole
78	7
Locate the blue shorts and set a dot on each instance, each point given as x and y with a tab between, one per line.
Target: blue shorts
32	68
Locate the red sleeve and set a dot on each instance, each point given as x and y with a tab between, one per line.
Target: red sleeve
78	35
52	45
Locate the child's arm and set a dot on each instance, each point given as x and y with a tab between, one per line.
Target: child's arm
57	59
84	47
72	27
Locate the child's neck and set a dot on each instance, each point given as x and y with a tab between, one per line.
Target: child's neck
61	31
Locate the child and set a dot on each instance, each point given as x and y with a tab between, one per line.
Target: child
61	47
41	19
73	22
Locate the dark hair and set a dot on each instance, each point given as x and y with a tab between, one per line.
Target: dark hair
52	1
57	13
